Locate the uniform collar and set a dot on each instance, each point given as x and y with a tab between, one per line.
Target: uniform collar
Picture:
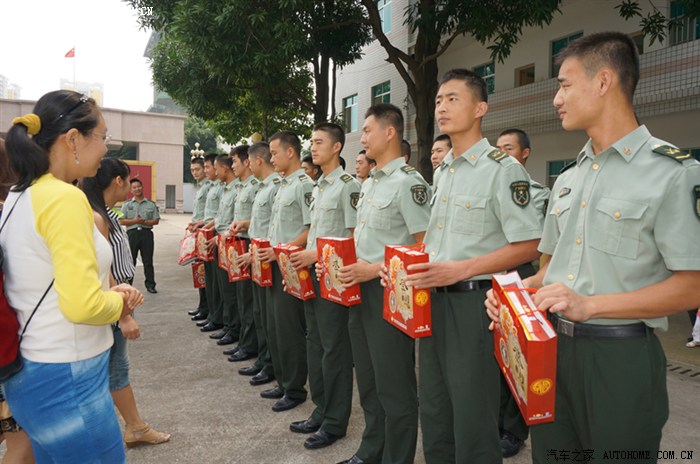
293	177
330	178
248	181
627	147
472	155
231	184
390	167
271	178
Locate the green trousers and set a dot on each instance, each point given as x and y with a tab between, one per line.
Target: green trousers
264	360
329	357
611	395
214	301
287	339
202	306
229	316
459	383
510	419
248	338
386	381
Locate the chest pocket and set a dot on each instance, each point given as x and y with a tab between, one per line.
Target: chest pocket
327	214
616	227
469	215
559	211
288	211
379	216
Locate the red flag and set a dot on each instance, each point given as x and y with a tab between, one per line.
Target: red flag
71	53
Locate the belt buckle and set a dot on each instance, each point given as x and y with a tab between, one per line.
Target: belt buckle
565	327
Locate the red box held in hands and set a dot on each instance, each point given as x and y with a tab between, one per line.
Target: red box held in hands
202	236
334	253
187	252
525	346
406	308
261	272
234	248
198	275
221	250
297	283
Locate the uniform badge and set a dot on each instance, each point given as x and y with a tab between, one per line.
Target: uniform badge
308	198
696	191
420	194
521	193
564	192
354	198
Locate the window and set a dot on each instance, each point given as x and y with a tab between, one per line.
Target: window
557	47
525	75
350	113
384	9
682	28
554	168
381	93
488	72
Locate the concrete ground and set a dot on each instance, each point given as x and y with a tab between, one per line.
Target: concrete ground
184	385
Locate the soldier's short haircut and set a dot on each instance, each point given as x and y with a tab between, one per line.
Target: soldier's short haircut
288	139
260	150
607	49
523	139
211	157
225	160
444	138
388	113
336	132
472	80
241	151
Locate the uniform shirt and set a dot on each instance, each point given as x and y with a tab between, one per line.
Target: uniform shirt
144	208
623	220
211	206
334	206
482	202
290	211
244	201
224	216
262	206
200	200
540	198
393	206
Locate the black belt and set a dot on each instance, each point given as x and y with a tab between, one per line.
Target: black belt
576	329
464	286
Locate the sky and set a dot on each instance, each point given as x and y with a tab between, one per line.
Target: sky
36	35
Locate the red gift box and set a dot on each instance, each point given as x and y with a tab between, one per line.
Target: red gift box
198	275
221	250
261	272
406	308
334	253
297	283
235	247
187	252
202	236
525	346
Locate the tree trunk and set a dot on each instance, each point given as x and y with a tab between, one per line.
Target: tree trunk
321	77
333	89
426	89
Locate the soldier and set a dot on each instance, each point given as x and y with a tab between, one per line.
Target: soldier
310	168
482	222
140	215
363	165
289	224
441	145
329	355
392	210
617	230
200	199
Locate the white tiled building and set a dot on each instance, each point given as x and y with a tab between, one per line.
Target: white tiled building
667	98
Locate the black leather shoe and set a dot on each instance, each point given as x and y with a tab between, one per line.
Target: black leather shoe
352	460
272	393
231	351
199	317
210	327
286	403
194	312
261	378
218	335
202	323
249	371
306	426
510	445
321	439
240	355
227	339
151	290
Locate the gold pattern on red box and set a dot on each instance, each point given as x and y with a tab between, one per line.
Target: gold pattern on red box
261	273
187	252
333	253
203	235
297	283
198	275
236	271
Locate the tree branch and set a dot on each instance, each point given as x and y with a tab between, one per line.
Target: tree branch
443	48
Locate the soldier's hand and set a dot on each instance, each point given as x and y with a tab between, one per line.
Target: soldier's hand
437	274
266	255
358	272
383	275
492	309
211	243
303	259
558	298
243	260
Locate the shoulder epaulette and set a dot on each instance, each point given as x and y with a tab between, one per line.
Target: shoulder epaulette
672	152
570	165
407	168
535	184
254	182
304	178
346	178
276	180
498	155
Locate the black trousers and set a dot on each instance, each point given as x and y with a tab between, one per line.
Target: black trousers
141	240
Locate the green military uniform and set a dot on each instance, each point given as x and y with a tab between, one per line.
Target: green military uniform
481	204
228	313
200	200
259	228
141	236
247	340
286	324
618	221
393	206
211	208
328	350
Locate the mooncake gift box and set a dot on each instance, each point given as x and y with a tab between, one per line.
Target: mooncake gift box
202	253
198	275
525	346
261	273
333	254
234	248
221	250
297	283
187	252
406	308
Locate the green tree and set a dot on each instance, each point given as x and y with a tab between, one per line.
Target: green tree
196	131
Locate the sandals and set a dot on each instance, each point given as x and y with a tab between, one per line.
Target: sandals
144	436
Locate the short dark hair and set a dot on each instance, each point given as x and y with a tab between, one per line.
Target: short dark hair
197	160
210	158
134	180
613	49
362	152
369	160
388	113
342	163
472	80
288	139
241	151
260	150
225	160
406	149
443	138
523	139
334	130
